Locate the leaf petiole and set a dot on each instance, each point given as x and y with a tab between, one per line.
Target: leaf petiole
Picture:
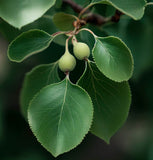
86	29
84	10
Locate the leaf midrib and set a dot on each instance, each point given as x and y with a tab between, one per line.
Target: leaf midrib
93	84
106	50
61	112
94	77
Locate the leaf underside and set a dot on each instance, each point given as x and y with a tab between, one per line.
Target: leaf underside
64	21
18	13
132	8
27	44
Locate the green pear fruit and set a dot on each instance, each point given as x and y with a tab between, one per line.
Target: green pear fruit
81	50
67	62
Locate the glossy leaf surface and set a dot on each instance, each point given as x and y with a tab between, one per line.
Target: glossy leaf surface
21	12
113	58
35	80
27	44
111	101
132	8
60	115
138	37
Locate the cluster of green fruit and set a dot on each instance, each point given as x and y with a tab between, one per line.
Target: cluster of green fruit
67	62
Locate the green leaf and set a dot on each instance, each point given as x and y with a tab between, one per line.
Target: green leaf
27	44
113	58
19	13
64	21
132	8
46	24
137	36
35	80
111	101
60	115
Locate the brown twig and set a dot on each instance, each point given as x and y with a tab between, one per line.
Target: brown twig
93	18
77	8
117	16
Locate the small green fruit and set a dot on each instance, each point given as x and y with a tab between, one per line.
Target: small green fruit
81	50
67	62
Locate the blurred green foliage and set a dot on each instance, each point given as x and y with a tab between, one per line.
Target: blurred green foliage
135	139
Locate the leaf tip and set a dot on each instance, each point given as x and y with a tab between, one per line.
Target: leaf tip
107	140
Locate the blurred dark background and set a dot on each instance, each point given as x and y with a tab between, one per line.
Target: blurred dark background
133	141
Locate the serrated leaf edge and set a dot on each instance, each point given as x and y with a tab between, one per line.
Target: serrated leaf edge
55	155
107	140
120	9
131	57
